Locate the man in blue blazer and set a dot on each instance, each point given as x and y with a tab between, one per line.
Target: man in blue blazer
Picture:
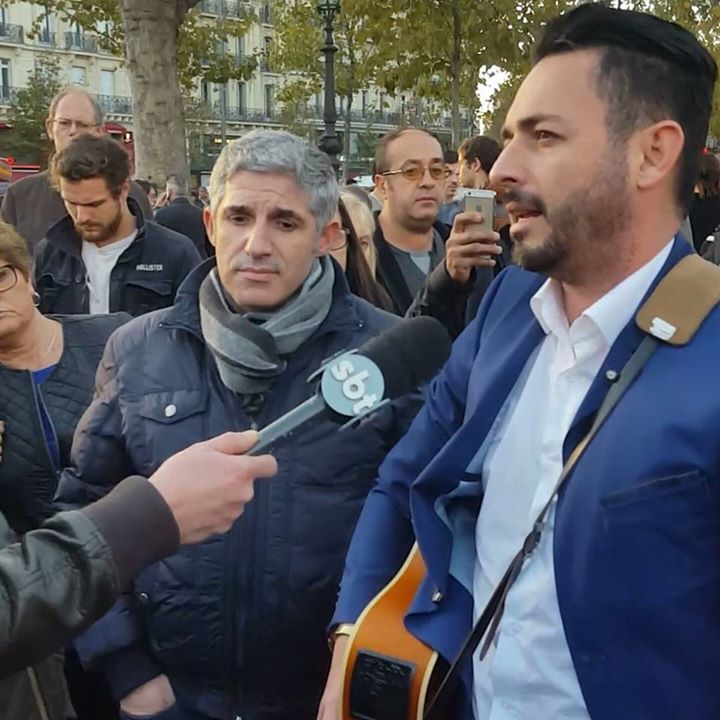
616	616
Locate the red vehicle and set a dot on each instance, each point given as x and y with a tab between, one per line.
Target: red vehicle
125	137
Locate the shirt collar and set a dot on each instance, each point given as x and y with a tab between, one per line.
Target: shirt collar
610	314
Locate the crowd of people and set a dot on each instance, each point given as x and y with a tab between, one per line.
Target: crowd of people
137	322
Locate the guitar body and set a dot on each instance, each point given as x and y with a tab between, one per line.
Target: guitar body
388	673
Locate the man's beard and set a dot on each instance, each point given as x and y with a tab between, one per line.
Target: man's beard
584	227
98	234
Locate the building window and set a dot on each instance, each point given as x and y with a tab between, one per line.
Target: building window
267	49
78	76
205	92
5	80
364	101
3	15
107	82
241	97
269	100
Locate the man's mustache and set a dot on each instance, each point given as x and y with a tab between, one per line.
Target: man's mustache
524	199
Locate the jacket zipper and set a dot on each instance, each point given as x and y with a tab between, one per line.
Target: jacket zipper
37	694
37	395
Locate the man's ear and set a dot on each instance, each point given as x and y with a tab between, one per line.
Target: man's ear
49	128
209	221
381	186
329	237
655	153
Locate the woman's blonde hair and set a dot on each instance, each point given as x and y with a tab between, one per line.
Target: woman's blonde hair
361	215
14	250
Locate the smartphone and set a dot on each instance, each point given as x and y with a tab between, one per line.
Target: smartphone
482	201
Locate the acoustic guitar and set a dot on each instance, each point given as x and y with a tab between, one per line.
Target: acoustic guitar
388	673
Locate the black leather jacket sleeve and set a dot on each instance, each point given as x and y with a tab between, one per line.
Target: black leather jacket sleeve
62	577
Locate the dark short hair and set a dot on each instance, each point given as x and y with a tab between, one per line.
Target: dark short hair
481	148
384	143
14	250
146	185
91	156
450	157
649	70
709	179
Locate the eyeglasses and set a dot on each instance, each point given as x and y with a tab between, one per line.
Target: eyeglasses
342	240
66	125
413	171
8	278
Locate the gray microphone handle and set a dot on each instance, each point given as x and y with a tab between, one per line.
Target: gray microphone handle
285	426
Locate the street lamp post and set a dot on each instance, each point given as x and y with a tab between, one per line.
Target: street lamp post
330	142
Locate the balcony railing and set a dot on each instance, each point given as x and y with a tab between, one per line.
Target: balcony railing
80	41
229	8
115	104
45	37
7	94
11	33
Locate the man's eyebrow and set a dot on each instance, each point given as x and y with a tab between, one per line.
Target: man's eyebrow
237	209
529	122
285	214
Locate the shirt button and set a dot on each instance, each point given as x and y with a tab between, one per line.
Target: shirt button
170	411
143	599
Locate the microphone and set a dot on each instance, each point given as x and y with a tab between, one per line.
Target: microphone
353	384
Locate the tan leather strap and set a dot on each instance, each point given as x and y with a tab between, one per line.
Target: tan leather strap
681	301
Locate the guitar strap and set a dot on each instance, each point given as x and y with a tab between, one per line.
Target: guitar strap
671	315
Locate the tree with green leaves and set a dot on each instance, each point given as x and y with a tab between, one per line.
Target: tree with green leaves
438	46
27	140
297	52
166	47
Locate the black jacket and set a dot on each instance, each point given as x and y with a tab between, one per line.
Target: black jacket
182	216
456	304
389	274
28	474
145	278
238	623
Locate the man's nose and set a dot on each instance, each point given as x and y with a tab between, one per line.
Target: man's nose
508	168
258	242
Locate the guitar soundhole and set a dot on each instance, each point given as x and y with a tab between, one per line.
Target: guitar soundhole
380	687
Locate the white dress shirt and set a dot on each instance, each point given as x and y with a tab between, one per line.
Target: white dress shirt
99	264
529	674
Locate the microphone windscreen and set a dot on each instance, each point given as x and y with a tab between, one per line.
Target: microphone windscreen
409	354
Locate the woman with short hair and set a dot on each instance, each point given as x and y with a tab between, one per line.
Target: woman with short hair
47	377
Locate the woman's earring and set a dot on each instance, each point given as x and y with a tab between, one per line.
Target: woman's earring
35	298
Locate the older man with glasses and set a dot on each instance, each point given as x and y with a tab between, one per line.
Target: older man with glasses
421	262
32	205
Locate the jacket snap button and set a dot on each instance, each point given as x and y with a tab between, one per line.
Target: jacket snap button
170	411
143	598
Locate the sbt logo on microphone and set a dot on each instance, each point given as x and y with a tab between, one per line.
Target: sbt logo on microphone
352	384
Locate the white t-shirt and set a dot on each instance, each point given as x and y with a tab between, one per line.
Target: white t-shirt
99	263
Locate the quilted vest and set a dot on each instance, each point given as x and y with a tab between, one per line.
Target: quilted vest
28	476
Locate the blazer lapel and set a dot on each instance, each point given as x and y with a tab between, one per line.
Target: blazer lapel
503	353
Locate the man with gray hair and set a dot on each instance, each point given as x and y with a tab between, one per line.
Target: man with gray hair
182	215
236	627
32	205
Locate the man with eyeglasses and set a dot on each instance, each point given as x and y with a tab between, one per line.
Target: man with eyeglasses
32	205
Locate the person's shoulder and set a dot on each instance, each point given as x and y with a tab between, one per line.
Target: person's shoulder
30	186
164	236
94	327
372	317
134	333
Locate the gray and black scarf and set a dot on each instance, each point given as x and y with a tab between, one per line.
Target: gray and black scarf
250	349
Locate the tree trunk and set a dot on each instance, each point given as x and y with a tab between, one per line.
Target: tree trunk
346	138
151	37
455	70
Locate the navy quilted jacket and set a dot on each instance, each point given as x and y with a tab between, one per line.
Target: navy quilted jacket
237	623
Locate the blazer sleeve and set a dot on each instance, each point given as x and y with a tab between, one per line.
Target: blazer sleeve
384	535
